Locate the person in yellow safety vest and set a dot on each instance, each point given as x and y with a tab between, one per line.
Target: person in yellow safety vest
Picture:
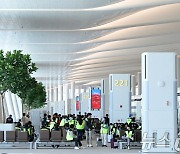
18	126
30	131
115	131
71	121
43	127
129	120
71	137
129	134
80	127
52	123
62	123
104	132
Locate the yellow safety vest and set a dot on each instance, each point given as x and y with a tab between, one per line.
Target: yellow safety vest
129	120
104	129
79	127
52	125
69	135
129	134
71	122
116	131
62	123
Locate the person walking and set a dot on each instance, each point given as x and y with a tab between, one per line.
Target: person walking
79	127
104	132
88	129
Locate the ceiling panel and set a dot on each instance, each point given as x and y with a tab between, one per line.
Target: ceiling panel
85	41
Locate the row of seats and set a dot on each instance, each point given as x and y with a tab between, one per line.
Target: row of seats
13	136
54	135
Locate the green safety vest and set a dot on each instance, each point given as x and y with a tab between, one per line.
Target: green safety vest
129	134
104	129
62	123
69	135
79	127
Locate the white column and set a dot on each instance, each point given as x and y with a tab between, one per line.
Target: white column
19	101
15	105
55	94
139	83
60	92
6	112
10	104
66	98
72	90
178	71
133	85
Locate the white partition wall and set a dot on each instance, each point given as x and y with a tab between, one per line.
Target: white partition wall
119	97
105	96
59	107
84	99
159	102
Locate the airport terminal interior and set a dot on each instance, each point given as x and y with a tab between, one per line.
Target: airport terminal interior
90	76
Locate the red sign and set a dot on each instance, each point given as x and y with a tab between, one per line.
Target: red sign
77	105
95	99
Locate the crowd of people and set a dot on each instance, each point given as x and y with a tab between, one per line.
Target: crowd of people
24	124
78	127
81	126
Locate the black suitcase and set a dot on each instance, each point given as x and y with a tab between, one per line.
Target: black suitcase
114	143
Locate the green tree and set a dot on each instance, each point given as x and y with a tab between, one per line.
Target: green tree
15	75
36	96
15	71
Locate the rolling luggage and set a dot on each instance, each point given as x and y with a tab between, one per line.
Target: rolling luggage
99	142
110	136
114	143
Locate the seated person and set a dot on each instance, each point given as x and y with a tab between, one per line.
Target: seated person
9	119
56	127
71	137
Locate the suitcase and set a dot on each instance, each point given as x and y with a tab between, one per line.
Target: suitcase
114	143
99	142
109	138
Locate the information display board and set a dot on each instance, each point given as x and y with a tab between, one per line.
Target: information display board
95	98
77	103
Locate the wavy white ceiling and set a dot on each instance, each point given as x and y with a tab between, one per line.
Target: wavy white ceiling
85	40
